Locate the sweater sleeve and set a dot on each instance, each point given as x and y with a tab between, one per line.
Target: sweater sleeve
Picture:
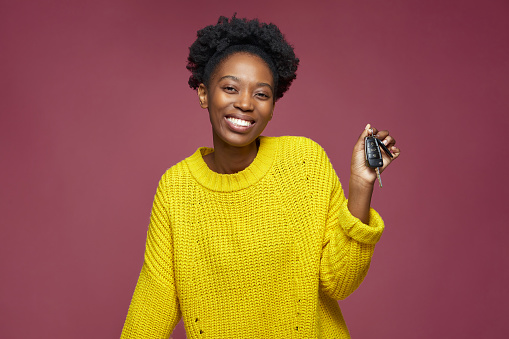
154	309
348	244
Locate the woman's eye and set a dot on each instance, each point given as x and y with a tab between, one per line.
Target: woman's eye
262	95
229	89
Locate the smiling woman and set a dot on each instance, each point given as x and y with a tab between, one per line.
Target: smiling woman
253	238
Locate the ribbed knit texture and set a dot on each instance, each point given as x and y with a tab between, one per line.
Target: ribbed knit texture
263	253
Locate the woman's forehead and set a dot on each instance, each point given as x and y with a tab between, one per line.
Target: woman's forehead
244	66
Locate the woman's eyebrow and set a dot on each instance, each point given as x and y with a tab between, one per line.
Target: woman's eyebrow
230	77
266	85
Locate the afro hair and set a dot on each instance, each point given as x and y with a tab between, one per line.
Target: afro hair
216	42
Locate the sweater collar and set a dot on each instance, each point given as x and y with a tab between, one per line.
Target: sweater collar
237	181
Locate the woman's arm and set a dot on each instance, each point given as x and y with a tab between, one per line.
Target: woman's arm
154	309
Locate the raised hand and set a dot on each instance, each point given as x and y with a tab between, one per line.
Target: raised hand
359	170
362	176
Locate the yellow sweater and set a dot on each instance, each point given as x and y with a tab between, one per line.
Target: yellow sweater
263	253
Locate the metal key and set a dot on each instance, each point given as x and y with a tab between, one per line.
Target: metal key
378	176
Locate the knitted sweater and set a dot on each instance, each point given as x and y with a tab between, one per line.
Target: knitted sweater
262	253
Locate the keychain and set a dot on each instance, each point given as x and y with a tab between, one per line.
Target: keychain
374	155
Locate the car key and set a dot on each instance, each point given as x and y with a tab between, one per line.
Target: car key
373	155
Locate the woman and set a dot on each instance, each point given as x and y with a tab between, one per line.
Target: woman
254	238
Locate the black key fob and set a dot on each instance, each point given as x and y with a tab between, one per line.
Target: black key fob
372	152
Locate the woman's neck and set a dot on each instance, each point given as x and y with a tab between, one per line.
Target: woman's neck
227	159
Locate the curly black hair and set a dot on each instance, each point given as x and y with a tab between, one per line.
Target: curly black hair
228	36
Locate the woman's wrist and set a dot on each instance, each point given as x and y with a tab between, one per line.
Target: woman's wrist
361	181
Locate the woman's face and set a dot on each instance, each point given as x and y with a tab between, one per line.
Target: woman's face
239	98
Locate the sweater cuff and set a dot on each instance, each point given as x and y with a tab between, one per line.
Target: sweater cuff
357	230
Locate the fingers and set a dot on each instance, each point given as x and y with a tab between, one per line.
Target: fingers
369	130
395	152
385	137
382	135
360	142
388	141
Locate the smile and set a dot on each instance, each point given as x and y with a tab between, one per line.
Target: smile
239	122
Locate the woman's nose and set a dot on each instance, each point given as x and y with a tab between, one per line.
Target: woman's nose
244	102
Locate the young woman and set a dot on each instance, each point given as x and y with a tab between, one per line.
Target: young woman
253	238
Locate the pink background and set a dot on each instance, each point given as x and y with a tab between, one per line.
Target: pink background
95	106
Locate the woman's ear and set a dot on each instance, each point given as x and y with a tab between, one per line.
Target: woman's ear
202	95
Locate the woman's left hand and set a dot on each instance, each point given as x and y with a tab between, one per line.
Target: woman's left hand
359	171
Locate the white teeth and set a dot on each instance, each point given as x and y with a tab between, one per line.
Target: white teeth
239	122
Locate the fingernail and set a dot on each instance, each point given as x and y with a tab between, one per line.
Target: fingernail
367	126
385	142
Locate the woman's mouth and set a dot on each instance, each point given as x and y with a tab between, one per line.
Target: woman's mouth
239	125
239	122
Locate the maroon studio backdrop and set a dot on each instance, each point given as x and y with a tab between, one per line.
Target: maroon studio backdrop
95	106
